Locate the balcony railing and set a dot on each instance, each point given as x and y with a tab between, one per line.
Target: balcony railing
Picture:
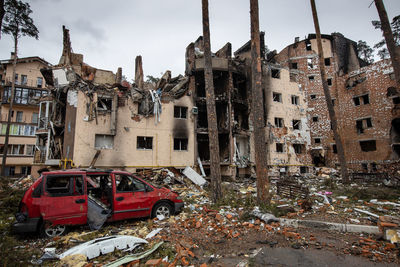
26	82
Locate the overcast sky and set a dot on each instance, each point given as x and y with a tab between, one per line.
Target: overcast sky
110	34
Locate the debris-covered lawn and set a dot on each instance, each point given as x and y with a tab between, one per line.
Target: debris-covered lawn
224	234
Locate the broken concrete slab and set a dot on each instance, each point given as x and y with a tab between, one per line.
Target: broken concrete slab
194	176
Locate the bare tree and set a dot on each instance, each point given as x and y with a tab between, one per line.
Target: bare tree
394	50
331	111
257	108
17	23
211	110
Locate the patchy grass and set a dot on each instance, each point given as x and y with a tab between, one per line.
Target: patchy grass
381	193
14	250
236	200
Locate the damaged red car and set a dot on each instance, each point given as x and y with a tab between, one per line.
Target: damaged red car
59	199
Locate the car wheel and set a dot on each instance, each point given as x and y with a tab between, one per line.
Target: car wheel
52	231
162	209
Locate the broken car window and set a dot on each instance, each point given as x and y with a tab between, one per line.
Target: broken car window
126	183
59	185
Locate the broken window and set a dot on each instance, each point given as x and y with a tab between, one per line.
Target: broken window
16	78
333	101
295	100
359	126
364	167
279	147
365	99
334	149
303	169
19	116
308	45
309	63
180	112
275	73
277	97
104	104
329	81
203	147
293	65
317	140
180	144
24	80
362	124
356	101
279	122
369	145
103	141
296	124
126	183
327	61
39	82
396	100
58	186
315	118
144	142
298	148
311	78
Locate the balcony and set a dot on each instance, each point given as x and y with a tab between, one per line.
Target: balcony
25	82
23	96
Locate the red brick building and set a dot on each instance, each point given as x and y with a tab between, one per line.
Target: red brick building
364	97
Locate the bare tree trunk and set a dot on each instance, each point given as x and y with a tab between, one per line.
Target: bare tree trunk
211	110
2	13
257	108
332	115
391	45
4	160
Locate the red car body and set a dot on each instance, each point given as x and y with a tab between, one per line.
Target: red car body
61	198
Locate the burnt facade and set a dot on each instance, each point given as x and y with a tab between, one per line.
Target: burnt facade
366	111
231	85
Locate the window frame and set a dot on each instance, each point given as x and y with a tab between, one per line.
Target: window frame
182	146
145	141
295	100
180	112
279	122
280	146
278	95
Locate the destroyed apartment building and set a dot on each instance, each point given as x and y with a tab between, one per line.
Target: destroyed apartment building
93	118
364	96
287	134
